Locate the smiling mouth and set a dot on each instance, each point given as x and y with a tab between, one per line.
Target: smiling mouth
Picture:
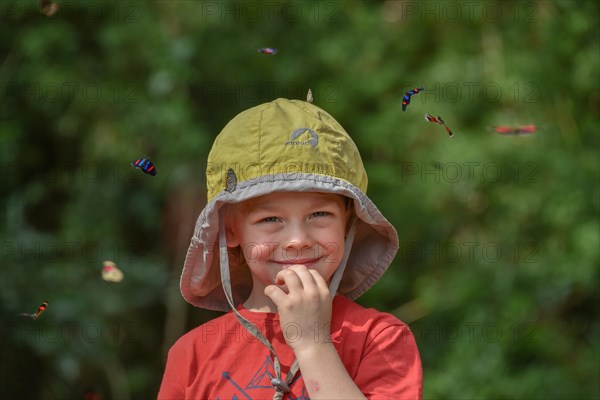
306	262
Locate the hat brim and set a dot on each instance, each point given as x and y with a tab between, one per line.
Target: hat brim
374	247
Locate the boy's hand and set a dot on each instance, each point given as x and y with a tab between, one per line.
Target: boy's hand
305	310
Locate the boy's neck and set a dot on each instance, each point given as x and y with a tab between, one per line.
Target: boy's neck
261	304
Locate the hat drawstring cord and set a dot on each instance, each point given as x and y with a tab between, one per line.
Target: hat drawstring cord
337	276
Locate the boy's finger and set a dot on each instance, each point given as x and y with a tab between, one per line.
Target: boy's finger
307	278
275	293
290	278
319	281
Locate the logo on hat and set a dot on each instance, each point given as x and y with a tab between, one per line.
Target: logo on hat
313	141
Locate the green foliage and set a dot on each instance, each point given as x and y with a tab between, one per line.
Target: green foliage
497	271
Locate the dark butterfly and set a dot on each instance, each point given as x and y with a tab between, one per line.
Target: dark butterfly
268	50
439	120
515	130
145	165
38	312
406	99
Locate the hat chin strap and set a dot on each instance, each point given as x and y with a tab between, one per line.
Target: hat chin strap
339	272
281	386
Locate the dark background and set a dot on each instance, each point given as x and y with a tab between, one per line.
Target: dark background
497	272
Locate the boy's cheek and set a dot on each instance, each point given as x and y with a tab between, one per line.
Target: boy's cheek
333	253
254	252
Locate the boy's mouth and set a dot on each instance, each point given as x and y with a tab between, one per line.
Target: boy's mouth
307	262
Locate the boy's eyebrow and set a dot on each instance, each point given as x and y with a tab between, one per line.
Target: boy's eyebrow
255	205
261	207
326	201
272	205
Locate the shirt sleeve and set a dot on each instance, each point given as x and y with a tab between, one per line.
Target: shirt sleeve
390	367
174	379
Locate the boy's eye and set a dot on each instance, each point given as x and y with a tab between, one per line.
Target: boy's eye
320	214
270	219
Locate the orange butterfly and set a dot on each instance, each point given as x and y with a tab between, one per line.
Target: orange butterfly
515	130
439	120
38	312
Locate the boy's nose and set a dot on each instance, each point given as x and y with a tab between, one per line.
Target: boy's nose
299	251
298	238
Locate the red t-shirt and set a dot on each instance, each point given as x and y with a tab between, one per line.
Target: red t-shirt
222	360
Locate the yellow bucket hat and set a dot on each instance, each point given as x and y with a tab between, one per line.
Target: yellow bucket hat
283	145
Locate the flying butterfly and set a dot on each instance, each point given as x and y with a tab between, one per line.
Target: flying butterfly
38	312
407	95
309	96
111	273
515	130
145	165
268	50
439	120
48	8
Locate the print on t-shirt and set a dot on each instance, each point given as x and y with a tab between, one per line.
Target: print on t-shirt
260	380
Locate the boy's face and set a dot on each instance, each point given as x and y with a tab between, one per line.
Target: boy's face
282	229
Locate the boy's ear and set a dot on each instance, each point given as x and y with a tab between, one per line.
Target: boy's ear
230	232
232	240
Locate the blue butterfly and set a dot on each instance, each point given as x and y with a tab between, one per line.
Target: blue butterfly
406	100
145	165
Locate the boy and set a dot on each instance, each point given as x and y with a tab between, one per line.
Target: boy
287	240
